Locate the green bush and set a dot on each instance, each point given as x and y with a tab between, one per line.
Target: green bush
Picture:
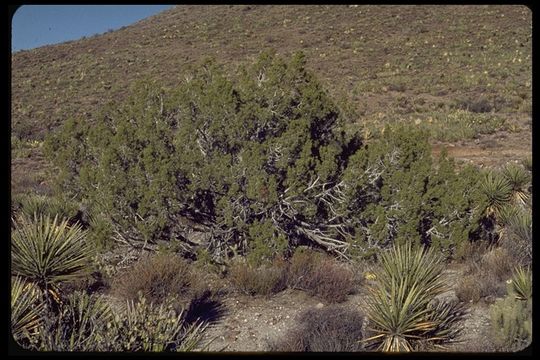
399	195
256	162
260	165
400	310
511	323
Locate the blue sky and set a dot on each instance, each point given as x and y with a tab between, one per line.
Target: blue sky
38	25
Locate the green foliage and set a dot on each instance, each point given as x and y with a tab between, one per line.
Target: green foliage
262	164
511	323
150	328
26	309
47	251
521	284
34	204
214	152
399	195
399	305
79	326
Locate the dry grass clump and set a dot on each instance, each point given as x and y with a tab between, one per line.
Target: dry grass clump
265	279
320	276
157	277
486	276
334	328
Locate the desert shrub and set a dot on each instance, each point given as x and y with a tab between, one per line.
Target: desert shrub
266	279
219	153
26	311
320	275
399	308
333	328
517	239
48	251
497	262
263	163
479	285
511	323
156	277
79	326
398	195
144	326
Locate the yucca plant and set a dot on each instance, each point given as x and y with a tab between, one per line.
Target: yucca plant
47	251
80	325
527	163
26	310
520	224
498	192
521	284
398	306
518	178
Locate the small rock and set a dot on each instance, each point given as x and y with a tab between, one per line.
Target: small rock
319	306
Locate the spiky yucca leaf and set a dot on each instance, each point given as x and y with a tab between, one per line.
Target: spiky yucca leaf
35	204
497	190
521	283
46	251
398	307
518	178
80	325
520	224
143	326
527	163
26	309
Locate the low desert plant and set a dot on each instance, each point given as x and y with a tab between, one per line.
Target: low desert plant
26	309
498	191
521	284
479	285
399	308
266	279
156	277
79	326
47	251
320	275
518	178
334	328
144	326
497	262
511	323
